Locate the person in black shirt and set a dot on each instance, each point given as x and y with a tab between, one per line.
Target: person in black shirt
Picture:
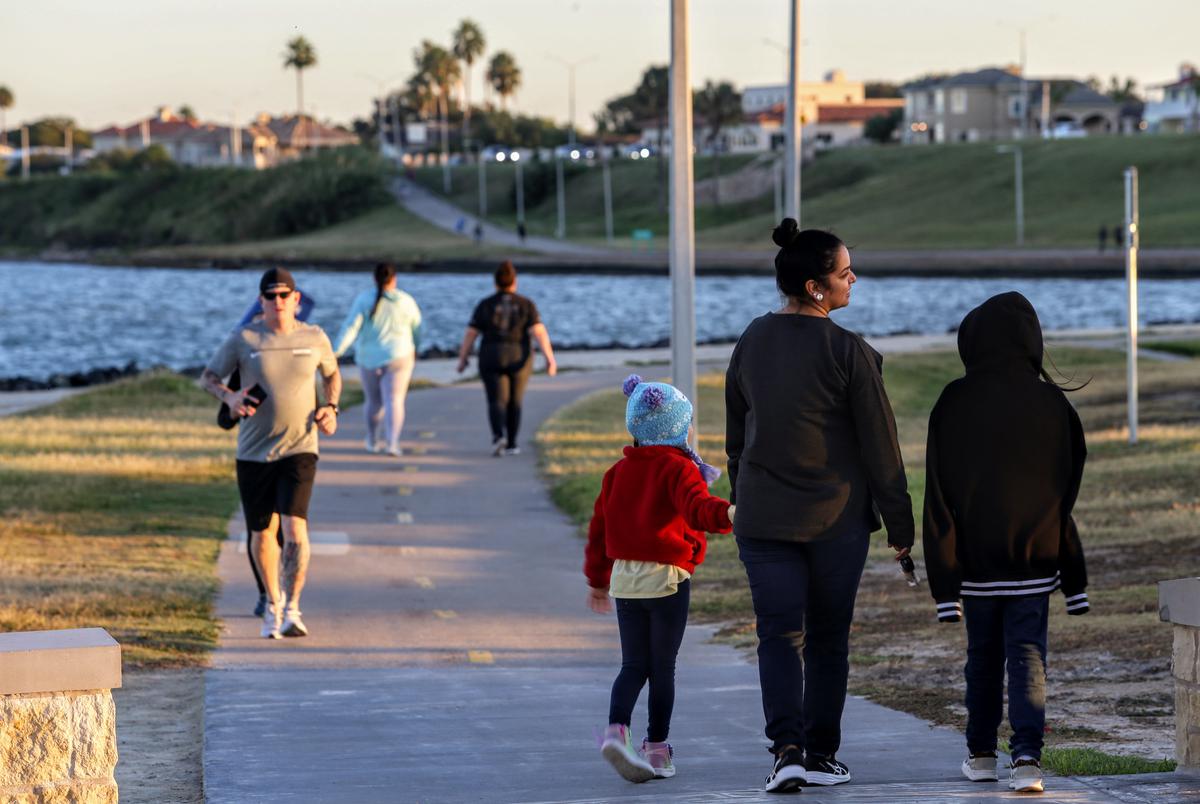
1003	469
507	322
813	454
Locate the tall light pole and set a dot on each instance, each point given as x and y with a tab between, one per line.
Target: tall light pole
560	231
795	136
25	153
571	65
1132	241
520	179
380	114
682	216
1018	187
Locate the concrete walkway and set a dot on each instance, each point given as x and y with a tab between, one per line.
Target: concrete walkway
452	659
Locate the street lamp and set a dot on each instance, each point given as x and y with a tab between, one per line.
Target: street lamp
571	65
1019	172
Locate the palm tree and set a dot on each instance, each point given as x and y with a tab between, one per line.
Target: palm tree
6	101
301	55
504	76
721	106
468	46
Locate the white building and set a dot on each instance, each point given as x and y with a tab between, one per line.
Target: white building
1175	105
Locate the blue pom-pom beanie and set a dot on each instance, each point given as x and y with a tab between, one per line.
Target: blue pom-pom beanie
657	415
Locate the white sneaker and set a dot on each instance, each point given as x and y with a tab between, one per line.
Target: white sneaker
980	768
395	452
271	619
498	447
1026	776
512	451
293	626
618	750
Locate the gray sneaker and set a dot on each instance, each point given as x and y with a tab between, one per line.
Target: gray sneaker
293	626
1026	776
980	768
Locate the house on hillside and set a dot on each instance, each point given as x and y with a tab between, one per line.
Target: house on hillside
991	104
296	134
192	142
1174	106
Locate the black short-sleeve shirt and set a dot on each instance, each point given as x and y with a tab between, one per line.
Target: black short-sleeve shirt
504	320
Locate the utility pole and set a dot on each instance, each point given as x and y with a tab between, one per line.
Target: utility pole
795	137
682	216
1132	241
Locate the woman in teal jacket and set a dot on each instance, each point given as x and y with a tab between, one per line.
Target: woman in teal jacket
384	327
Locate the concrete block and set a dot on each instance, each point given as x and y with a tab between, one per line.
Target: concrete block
59	661
1184	654
95	735
1179	601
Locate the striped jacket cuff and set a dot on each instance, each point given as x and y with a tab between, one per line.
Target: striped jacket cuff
950	611
1078	604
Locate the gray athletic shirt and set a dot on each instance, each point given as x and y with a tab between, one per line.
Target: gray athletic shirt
285	366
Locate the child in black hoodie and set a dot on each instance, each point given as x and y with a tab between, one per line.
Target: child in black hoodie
1003	467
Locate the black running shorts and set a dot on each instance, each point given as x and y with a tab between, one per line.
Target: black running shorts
276	487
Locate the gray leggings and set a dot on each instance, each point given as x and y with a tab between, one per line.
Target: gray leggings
385	389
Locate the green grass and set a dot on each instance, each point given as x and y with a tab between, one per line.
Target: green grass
1138	513
897	197
1185	348
115	505
1090	762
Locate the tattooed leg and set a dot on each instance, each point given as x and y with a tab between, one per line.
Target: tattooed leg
295	558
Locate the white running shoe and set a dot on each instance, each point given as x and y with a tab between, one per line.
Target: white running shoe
271	620
293	626
1026	776
980	768
512	451
498	447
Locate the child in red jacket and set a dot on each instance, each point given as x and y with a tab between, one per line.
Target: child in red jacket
646	538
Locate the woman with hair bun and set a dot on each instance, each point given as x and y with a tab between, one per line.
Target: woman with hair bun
814	462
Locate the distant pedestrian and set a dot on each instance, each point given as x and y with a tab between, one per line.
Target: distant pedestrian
1002	470
279	358
813	454
383	325
478	233
521	231
1103	237
508	323
1119	236
646	538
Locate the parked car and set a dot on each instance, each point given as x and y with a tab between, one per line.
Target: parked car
576	152
1067	131
501	153
638	150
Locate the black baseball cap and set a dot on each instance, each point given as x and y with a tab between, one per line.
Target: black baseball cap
276	278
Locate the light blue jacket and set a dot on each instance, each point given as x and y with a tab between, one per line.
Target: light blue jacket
393	333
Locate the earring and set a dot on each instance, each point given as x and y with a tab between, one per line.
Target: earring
819	296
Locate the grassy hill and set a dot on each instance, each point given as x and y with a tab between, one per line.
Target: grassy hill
944	196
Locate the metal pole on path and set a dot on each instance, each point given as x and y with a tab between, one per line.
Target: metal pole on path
1131	251
25	153
561	230
520	179
682	218
795	137
608	215
482	186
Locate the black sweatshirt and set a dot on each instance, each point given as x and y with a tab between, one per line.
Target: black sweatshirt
810	434
1002	471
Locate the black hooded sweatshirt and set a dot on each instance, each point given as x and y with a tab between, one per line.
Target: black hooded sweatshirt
1004	462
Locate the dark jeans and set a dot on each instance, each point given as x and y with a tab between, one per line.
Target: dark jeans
505	388
1012	630
803	594
651	632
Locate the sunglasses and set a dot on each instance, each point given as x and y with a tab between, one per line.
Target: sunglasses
282	294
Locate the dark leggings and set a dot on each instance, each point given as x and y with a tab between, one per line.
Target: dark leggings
651	632
505	389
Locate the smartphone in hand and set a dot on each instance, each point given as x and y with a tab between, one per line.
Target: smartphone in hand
255	395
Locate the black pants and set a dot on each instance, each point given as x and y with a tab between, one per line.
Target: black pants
651	632
803	594
1012	631
505	388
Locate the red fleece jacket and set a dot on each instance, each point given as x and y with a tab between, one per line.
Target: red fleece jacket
653	506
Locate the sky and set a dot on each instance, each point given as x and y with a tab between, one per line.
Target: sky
116	61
